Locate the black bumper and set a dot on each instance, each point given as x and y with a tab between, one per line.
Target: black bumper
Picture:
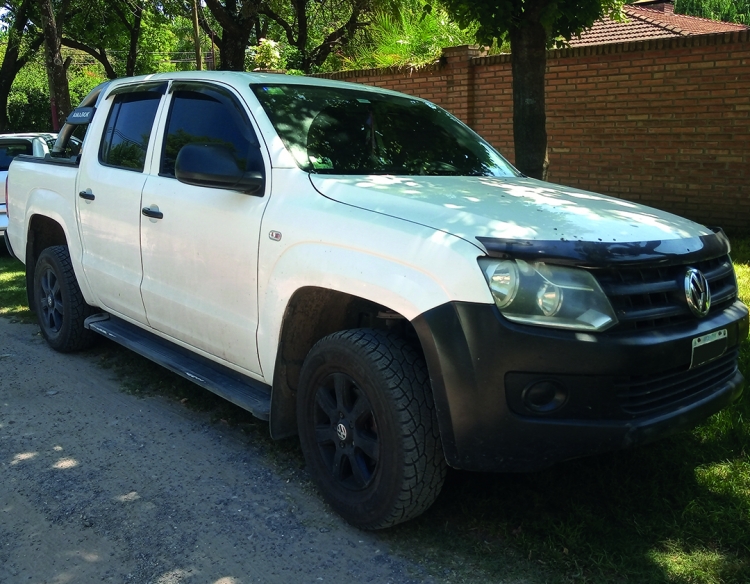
481	364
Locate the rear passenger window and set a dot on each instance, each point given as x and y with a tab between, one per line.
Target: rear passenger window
128	130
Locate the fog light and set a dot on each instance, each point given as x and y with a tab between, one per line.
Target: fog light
544	397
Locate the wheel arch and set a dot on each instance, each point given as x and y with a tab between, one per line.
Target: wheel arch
311	314
312	290
43	232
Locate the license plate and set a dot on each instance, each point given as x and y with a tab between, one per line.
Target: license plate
709	347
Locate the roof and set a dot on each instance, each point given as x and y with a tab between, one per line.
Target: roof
650	20
238	79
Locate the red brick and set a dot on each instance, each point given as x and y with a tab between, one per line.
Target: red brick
668	127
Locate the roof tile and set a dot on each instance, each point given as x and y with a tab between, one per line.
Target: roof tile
644	23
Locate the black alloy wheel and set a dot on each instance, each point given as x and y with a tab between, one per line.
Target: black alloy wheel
59	304
346	431
50	301
368	427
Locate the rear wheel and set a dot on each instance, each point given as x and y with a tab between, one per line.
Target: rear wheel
368	427
59	303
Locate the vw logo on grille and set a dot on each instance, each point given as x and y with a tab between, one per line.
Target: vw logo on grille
341	432
697	292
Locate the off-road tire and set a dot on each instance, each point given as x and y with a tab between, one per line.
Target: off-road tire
59	304
390	465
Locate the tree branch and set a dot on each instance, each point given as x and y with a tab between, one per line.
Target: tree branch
122	16
100	55
31	51
266	11
205	27
321	52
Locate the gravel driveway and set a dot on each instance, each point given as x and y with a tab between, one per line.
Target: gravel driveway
102	486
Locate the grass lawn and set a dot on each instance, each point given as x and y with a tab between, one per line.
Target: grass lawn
13	288
674	511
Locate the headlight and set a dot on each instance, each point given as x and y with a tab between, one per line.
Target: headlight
548	295
503	283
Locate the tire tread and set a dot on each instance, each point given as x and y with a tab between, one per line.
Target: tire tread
76	337
405	372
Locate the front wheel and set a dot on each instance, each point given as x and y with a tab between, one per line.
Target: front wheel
368	427
59	303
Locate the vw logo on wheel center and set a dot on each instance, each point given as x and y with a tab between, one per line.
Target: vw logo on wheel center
341	432
697	292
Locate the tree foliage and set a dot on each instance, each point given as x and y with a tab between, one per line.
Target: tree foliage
531	26
309	31
130	37
28	102
727	10
126	36
316	29
561	19
413	35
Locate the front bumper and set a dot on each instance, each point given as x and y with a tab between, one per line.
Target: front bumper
480	364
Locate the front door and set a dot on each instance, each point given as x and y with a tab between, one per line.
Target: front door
200	257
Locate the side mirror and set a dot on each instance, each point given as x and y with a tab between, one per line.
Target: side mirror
213	165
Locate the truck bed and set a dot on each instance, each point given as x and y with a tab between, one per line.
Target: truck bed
41	185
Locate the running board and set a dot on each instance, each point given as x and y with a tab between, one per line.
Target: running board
239	389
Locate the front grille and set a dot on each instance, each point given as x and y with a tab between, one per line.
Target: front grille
648	394
654	297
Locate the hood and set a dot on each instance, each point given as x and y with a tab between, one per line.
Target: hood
507	208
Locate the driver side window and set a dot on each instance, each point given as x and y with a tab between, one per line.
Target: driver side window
211	117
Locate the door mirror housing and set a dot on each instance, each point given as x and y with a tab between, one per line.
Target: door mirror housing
214	165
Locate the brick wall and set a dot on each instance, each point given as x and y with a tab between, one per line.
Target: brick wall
662	122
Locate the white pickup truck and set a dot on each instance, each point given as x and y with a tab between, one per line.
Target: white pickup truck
362	270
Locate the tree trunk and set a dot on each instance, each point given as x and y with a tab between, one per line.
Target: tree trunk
13	61
233	50
528	46
4	94
56	69
8	69
197	38
135	33
300	9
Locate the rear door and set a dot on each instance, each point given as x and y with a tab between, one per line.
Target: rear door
200	256
110	182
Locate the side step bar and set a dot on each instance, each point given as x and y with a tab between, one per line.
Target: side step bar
239	389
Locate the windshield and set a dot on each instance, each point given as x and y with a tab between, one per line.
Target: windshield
348	131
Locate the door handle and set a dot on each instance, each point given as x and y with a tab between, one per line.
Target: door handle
87	194
148	212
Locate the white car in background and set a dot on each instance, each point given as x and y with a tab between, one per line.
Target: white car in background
11	145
